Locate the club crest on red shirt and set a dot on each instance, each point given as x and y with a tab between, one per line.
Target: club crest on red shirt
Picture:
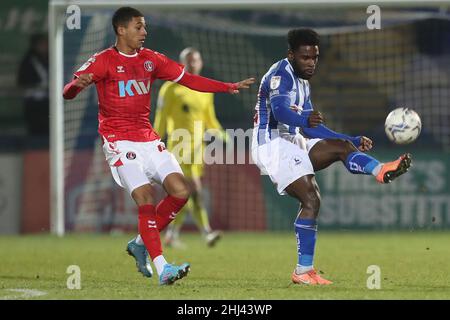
148	65
131	155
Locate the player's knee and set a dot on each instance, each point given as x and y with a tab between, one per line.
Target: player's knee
177	186
142	195
181	190
183	194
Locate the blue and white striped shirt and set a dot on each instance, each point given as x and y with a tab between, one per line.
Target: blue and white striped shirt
280	80
283	95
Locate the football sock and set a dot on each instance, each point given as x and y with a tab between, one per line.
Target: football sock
181	216
305	230
167	210
300	269
159	263
361	163
149	231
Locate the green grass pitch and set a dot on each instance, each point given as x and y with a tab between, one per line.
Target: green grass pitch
414	265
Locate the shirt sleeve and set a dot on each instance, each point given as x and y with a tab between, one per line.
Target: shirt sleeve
95	65
280	86
167	69
323	132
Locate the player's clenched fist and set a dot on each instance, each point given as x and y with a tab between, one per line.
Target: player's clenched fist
366	144
84	80
315	118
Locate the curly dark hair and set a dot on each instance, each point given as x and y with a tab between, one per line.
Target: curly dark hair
302	37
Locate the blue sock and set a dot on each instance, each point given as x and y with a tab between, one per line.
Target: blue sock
305	230
360	163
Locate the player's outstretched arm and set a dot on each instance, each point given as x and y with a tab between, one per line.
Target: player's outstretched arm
73	88
204	84
323	132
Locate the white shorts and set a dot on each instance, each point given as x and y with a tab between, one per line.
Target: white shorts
134	164
284	161
304	143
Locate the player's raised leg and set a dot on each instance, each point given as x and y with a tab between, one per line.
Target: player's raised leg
327	151
306	191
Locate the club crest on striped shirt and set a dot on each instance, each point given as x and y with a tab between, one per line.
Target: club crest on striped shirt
275	82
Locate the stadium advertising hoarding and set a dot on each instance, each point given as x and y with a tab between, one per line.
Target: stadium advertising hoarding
417	200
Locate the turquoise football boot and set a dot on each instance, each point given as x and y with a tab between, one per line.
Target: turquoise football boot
140	254
172	273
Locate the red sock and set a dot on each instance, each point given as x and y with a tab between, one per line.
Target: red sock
167	210
149	231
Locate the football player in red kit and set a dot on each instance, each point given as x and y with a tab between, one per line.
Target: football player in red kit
123	75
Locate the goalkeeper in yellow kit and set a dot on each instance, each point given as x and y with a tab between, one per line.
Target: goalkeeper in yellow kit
180	111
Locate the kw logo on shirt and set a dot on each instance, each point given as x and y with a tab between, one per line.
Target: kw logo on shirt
125	88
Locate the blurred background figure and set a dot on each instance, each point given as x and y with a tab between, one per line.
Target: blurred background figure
33	79
182	108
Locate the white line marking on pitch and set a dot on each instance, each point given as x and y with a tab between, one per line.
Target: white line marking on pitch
24	294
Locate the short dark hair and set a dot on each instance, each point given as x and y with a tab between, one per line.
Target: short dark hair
302	37
123	16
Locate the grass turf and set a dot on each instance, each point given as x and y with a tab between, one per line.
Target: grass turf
414	265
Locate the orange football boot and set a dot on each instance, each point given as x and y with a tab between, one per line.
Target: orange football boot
391	170
311	277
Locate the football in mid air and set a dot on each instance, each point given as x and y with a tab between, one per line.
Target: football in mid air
402	125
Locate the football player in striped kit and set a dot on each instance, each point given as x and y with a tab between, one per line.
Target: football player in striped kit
290	143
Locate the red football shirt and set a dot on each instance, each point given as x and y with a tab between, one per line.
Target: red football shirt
123	87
